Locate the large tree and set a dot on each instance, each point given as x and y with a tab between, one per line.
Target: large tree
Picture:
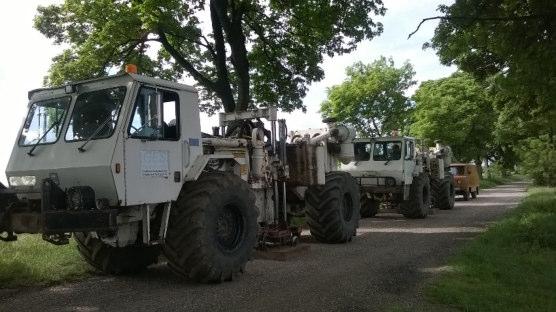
458	111
510	43
241	53
372	98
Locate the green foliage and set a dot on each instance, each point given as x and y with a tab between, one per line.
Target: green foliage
372	97
508	44
538	157
508	39
511	266
30	261
241	53
458	111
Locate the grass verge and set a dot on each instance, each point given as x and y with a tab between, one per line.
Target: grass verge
511	267
30	261
494	180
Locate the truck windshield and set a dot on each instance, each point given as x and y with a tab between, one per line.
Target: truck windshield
95	114
44	121
457	170
387	150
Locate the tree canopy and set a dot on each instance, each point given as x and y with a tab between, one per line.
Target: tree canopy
241	53
372	98
511	43
458	111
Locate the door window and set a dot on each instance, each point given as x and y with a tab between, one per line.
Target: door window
155	115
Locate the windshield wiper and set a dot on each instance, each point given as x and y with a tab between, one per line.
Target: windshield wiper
97	130
388	161
30	153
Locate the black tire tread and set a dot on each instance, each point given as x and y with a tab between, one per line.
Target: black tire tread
188	252
442	193
414	208
323	208
115	260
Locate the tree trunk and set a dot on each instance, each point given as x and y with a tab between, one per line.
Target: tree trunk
223	88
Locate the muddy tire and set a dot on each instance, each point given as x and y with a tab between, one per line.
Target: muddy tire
443	193
418	205
212	230
369	207
115	260
332	210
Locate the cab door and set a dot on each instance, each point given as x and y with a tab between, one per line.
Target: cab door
153	152
408	160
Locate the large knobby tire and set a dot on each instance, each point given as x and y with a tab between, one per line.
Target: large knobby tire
212	229
332	210
418	205
443	193
369	206
115	260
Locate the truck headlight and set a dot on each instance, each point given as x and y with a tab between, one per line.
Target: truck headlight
22	181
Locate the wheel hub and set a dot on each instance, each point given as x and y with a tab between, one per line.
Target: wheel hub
229	228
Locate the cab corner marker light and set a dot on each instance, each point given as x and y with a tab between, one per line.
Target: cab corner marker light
131	68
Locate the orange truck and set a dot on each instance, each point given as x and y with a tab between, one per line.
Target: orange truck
466	178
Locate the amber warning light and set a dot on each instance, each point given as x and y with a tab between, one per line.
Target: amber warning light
131	68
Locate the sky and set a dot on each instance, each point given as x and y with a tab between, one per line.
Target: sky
26	55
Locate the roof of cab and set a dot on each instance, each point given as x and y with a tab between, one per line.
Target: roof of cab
140	78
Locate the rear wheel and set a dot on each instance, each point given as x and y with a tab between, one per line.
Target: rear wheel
443	193
418	205
474	193
369	207
333	209
212	229
466	196
115	260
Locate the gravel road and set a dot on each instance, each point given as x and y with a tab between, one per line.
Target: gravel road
384	268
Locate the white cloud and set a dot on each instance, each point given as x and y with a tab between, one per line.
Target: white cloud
26	55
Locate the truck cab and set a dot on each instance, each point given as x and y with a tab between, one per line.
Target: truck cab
386	164
97	145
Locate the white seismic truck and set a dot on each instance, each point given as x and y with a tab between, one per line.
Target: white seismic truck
121	164
392	173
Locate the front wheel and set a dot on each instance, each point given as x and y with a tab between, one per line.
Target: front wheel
333	209
115	260
212	229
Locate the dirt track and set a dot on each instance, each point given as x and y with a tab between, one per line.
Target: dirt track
384	267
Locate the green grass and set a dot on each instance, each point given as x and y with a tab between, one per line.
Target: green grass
30	261
494	180
511	267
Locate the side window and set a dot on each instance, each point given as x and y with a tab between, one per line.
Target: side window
409	150
155	115
362	151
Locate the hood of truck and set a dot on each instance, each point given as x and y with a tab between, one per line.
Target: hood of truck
65	164
371	169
